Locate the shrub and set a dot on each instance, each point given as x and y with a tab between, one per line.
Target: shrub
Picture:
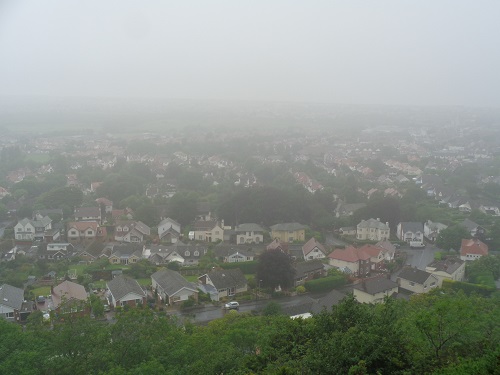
187	304
468	288
325	284
300	289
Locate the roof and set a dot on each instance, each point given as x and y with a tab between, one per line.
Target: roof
68	290
473	246
11	296
43	222
83	225
414	274
386	245
122	285
412	226
127	250
449	265
221	251
142	228
104	201
303	267
277	245
376	285
87	212
311	244
227	278
249	227
207	225
288	227
373	223
168	220
470	225
372	250
171	281
349	254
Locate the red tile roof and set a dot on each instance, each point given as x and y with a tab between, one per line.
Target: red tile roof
350	254
473	246
310	245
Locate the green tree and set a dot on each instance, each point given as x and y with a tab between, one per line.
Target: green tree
451	237
275	269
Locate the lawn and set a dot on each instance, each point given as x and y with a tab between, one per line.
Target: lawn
191	278
41	291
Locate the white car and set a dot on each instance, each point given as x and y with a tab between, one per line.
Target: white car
233	305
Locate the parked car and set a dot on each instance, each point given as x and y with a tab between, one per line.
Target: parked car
233	305
40	299
107	308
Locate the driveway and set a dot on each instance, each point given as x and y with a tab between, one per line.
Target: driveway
420	258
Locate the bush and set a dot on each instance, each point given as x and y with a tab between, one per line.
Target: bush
300	289
272	308
468	288
325	284
187	304
245	267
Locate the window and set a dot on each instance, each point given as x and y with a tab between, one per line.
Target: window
9	315
89	232
137	301
73	233
18	229
187	253
242	240
196	253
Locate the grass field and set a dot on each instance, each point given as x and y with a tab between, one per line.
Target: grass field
41	291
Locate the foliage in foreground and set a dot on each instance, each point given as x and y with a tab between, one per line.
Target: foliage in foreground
441	332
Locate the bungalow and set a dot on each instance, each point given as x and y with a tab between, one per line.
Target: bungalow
305	271
88	214
123	290
227	283
172	288
312	249
249	233
69	297
92	251
56	251
416	281
472	249
158	254
126	254
289	232
11	302
375	290
447	269
410	231
234	254
131	231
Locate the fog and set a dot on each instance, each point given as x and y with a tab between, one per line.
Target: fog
354	52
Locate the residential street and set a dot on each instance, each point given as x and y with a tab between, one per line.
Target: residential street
420	258
208	313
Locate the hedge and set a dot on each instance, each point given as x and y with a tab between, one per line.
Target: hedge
468	288
245	267
325	284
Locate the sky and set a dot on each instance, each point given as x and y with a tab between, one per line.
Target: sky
425	52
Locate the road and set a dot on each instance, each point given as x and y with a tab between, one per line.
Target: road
208	313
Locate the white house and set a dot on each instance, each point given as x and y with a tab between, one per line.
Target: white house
226	282
24	230
410	231
312	249
123	290
169	230
249	233
172	288
373	230
432	229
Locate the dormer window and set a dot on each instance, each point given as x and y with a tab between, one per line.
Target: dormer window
196	253
187	253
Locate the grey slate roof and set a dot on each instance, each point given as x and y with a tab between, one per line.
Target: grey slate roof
414	274
11	296
377	285
373	223
288	227
449	265
171	281
470	225
87	212
121	285
227	278
412	226
249	227
304	267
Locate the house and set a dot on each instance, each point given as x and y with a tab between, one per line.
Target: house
472	249
416	281
377	256
449	269
54	234
24	230
249	233
375	290
208	231
70	298
312	249
131	231
106	204
373	230
82	230
489	208
42	225
190	253
388	249
56	251
123	290
227	283
169	230
126	254
88	214
289	232
351	261
410	231
234	254
310	270
172	288
475	230
125	214
92	252
432	229
11	302
158	254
